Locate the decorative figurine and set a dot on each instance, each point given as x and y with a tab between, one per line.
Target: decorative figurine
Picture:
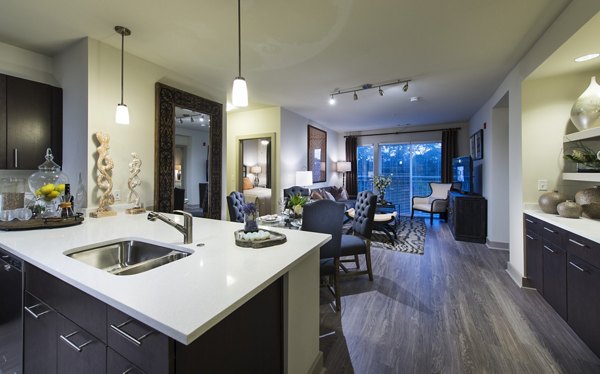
104	164
133	197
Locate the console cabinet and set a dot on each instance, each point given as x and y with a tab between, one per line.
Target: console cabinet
467	217
568	277
69	331
30	122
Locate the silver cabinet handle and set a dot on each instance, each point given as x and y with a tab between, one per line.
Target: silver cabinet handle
547	229
529	237
576	242
528	220
548	248
136	341
16	158
29	309
76	347
127	371
577	266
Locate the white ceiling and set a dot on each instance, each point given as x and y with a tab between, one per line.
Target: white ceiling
294	53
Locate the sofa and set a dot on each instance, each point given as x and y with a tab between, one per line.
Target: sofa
334	193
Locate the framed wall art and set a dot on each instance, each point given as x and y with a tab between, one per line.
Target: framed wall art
476	145
317	154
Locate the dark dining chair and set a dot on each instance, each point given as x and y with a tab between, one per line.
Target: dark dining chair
327	216
178	198
360	241
294	190
235	205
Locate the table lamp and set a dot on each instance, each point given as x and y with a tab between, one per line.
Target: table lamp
256	170
343	167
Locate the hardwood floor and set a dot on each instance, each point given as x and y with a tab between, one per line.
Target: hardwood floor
452	310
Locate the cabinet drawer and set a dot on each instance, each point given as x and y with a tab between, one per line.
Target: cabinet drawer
117	364
79	351
531	223
553	234
150	350
39	336
81	308
584	248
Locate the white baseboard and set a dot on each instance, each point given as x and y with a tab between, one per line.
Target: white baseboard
516	276
497	245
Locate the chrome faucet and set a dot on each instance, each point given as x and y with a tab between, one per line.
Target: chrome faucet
186	229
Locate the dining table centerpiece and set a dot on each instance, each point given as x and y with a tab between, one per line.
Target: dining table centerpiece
250	215
296	204
381	183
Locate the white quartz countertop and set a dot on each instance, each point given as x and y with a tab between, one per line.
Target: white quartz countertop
182	299
586	227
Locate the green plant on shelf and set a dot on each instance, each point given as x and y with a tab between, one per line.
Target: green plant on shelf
584	155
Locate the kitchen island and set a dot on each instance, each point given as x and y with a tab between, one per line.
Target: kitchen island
187	298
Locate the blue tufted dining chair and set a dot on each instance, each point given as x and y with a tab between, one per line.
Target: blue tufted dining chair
360	241
235	205
327	216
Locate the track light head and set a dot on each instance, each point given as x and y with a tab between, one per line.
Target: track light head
405	88
355	96
331	100
380	92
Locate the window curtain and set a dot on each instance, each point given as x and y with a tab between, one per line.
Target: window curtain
449	148
351	176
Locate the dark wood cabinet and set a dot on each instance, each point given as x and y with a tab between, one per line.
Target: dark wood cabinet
583	283
117	364
555	277
467	217
39	337
533	254
32	123
78	350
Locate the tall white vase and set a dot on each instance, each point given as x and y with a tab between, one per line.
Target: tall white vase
585	112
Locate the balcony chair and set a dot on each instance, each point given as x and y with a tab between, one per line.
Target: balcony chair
434	203
235	206
327	216
360	241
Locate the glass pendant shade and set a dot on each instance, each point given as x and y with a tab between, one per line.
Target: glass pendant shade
585	112
122	115
239	94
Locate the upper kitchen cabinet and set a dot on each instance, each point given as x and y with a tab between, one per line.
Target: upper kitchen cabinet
30	122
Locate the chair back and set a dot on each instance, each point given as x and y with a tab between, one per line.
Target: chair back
364	213
235	205
439	190
178	198
294	190
203	195
327	217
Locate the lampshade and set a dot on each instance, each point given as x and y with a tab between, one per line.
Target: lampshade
343	166
239	94
122	114
256	169
304	178
178	167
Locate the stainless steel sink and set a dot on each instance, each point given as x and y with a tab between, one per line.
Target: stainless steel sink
128	256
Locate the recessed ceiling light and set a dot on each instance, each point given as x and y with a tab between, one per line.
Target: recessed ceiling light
591	56
415	98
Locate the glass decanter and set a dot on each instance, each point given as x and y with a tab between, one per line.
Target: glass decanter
47	184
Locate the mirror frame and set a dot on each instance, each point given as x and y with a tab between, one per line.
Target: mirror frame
240	163
167	98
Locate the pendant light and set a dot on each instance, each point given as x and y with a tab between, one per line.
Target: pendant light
122	114
239	94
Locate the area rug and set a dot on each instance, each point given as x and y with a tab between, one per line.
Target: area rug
410	232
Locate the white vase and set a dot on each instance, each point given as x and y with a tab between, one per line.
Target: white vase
585	112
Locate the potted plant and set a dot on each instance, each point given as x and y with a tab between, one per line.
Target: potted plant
586	159
381	182
296	204
250	216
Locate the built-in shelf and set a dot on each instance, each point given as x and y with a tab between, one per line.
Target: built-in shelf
584	177
582	135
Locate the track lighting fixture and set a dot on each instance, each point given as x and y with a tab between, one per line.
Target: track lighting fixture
368	86
122	114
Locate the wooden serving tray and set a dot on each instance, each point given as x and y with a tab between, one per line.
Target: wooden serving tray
40	223
275	239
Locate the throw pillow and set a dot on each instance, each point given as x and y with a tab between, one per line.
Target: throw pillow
343	194
335	192
316	196
247	185
329	196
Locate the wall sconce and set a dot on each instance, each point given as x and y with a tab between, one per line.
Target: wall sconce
304	178
368	86
343	167
177	172
256	170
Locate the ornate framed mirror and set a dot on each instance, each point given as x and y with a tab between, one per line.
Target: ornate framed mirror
167	100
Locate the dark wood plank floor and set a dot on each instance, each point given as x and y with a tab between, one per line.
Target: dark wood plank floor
452	310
